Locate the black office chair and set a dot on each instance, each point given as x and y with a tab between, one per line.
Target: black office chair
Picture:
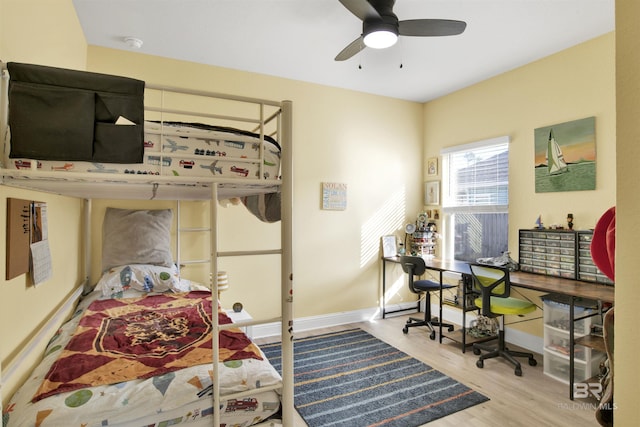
415	266
494	286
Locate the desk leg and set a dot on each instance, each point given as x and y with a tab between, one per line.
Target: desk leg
464	315
440	314
571	347
384	287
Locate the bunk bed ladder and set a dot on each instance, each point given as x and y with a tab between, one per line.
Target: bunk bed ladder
180	231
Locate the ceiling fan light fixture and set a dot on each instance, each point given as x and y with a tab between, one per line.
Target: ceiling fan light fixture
380	39
380	35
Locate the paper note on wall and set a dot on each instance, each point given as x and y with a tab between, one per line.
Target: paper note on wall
41	262
40	254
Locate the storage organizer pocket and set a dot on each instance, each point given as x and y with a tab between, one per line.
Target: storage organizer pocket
106	148
51	122
59	114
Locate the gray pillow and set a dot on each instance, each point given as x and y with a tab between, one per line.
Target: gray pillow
136	237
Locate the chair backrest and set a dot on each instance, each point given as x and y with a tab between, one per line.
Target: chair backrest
413	266
490	281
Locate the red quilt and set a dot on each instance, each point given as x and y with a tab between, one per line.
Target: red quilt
124	339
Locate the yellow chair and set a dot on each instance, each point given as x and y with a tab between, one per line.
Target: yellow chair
494	301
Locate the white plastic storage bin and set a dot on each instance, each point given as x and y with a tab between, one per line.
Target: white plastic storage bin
557	366
556	316
556	338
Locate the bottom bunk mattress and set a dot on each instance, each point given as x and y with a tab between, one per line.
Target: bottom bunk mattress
93	390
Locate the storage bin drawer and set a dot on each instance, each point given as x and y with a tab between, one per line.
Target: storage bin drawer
556	315
558	367
557	342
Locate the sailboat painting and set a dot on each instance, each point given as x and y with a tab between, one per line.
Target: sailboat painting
565	156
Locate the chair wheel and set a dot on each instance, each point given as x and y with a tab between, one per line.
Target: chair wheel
451	328
532	362
476	351
518	372
405	330
432	335
480	364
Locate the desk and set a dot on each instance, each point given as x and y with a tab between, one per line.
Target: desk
574	288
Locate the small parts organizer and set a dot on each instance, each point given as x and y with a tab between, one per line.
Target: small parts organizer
560	253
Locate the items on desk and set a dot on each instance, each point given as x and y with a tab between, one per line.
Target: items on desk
401	249
570	221
389	246
423	236
539	224
503	260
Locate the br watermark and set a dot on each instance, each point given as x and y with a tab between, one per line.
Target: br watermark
587	391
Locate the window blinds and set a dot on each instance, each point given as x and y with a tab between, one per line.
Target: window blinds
476	175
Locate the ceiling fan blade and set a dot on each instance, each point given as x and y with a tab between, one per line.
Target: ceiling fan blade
431	27
354	47
361	8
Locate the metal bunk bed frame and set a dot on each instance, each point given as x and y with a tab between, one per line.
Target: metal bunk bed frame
98	185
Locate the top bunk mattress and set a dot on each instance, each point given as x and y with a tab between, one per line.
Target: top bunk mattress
93	135
182	149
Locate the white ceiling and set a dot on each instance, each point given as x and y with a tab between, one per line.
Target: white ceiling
299	39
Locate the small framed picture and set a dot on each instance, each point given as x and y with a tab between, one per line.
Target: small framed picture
432	193
432	166
389	246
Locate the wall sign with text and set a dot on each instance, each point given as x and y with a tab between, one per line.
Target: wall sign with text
334	196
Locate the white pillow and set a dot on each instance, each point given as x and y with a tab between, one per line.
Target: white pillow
141	277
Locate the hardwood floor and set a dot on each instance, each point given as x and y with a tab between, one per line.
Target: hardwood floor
533	399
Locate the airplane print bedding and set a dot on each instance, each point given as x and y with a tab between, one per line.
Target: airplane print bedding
184	149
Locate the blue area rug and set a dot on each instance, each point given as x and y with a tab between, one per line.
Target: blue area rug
351	378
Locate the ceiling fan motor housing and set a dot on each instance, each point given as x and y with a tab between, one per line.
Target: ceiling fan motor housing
387	23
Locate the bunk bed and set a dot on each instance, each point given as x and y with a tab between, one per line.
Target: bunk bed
178	162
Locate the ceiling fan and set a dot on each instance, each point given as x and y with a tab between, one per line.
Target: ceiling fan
381	28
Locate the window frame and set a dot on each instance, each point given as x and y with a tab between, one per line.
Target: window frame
449	209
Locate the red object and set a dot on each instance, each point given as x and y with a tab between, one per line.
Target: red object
123	339
603	245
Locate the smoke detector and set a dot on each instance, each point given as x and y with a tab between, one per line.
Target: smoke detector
133	42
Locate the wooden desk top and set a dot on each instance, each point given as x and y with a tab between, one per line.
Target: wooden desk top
576	288
537	282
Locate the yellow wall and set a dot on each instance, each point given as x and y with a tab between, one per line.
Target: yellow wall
23	307
332	270
371	143
573	84
627	345
46	32
42	32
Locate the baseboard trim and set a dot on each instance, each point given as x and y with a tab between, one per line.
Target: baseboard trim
449	314
316	322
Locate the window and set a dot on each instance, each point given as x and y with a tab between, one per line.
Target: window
475	199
